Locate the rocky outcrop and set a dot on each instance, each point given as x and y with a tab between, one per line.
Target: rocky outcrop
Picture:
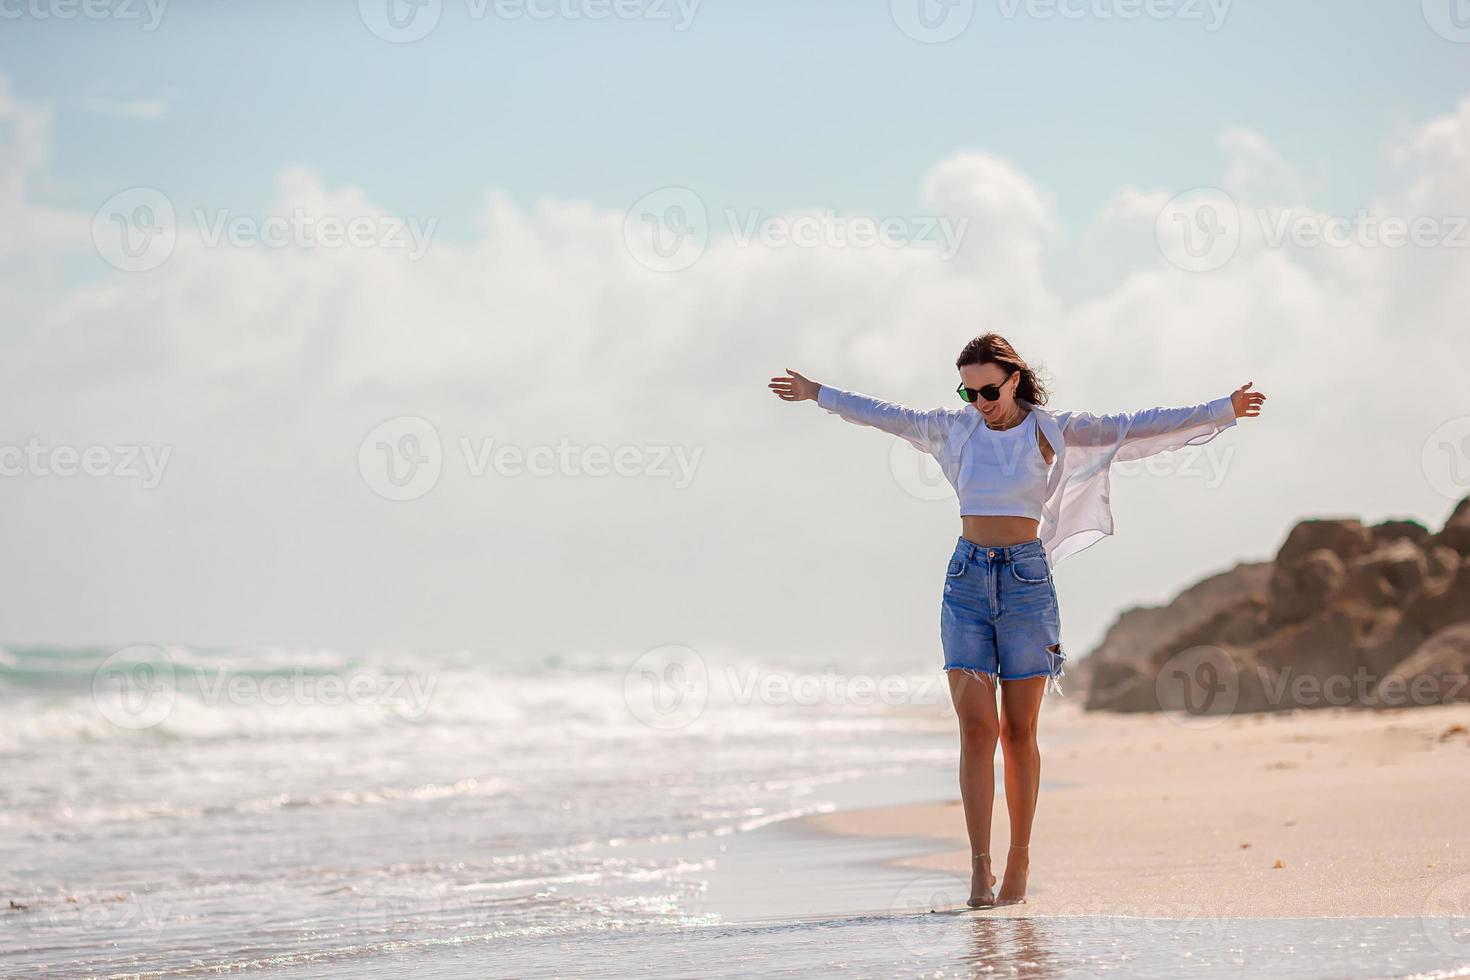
1455	534
1436	673
1345	614
1230	602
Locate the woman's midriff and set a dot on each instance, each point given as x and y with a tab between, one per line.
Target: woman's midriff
998	532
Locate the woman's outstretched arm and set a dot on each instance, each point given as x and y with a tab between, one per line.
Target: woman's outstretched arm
1153	430
924	429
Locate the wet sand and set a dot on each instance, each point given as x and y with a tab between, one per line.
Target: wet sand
1334	812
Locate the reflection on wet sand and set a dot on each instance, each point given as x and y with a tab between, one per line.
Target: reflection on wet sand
1010	948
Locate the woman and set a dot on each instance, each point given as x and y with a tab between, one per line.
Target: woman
1012	463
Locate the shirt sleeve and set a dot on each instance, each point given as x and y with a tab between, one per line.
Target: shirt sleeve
925	430
1134	435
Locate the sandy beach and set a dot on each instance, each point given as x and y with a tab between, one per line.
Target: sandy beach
1333	812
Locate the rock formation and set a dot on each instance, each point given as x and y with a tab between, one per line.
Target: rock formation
1346	614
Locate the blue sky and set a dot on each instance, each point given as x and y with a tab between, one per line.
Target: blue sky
769	104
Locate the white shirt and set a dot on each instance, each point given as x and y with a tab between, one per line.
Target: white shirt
1075	512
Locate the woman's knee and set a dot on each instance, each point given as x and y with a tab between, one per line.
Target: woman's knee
979	729
1018	733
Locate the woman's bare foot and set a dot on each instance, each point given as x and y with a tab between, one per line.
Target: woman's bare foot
982	882
1018	865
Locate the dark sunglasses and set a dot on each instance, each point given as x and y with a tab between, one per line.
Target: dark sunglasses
988	392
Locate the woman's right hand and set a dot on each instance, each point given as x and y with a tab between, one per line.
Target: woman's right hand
795	388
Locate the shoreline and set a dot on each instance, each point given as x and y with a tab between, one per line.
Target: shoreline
1328	812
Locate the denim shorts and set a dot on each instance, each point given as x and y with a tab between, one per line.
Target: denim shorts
1000	615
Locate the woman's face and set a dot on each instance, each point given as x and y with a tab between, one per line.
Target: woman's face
980	375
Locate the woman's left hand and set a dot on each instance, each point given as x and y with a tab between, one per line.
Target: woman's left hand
1247	403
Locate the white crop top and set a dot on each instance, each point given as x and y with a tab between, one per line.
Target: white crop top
1003	472
1075	511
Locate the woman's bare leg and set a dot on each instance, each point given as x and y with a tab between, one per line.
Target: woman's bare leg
974	704
1020	711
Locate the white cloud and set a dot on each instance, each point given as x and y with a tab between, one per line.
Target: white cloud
265	367
105	99
1254	169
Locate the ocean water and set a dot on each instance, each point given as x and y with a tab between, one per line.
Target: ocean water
172	811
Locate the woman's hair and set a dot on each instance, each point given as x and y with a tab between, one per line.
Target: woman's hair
992	348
